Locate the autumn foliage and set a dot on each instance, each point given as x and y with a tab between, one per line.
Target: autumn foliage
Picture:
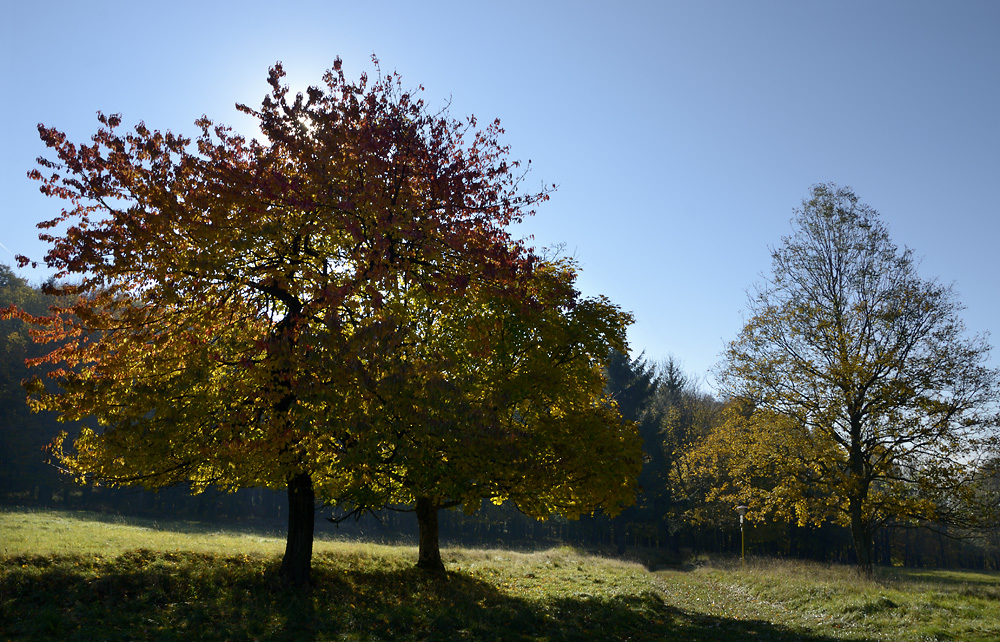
864	400
336	308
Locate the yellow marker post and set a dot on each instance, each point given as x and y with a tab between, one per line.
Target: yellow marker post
742	510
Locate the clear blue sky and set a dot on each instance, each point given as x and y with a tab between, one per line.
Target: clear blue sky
681	134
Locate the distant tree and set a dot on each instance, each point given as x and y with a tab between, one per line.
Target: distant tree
23	436
867	369
988	483
671	415
988	492
229	299
497	399
632	384
690	416
688	412
751	458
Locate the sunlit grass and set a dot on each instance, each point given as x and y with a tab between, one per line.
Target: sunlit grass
897	604
43	532
77	576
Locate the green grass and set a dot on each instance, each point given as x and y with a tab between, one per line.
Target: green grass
78	576
899	604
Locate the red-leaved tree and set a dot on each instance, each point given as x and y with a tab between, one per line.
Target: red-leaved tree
237	313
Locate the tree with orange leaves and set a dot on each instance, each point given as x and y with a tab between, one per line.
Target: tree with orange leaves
237	317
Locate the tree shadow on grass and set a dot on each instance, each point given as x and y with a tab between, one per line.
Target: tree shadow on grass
146	595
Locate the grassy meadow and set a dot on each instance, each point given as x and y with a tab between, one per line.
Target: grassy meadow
81	576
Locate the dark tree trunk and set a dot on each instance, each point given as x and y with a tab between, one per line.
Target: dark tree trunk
862	531
429	557
301	521
864	543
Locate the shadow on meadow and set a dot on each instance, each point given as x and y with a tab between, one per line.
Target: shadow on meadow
145	595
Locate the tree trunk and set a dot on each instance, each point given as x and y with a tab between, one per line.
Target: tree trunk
429	557
861	531
863	542
301	521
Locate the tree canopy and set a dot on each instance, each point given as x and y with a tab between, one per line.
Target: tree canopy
497	399
244	311
867	399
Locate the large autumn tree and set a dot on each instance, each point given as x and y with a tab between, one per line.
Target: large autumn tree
493	397
233	298
867	399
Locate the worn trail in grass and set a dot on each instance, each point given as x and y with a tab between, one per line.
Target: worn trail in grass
899	604
81	579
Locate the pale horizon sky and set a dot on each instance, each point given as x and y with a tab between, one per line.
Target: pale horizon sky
681	134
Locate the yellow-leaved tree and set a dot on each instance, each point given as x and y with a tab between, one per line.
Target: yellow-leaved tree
493	398
863	399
